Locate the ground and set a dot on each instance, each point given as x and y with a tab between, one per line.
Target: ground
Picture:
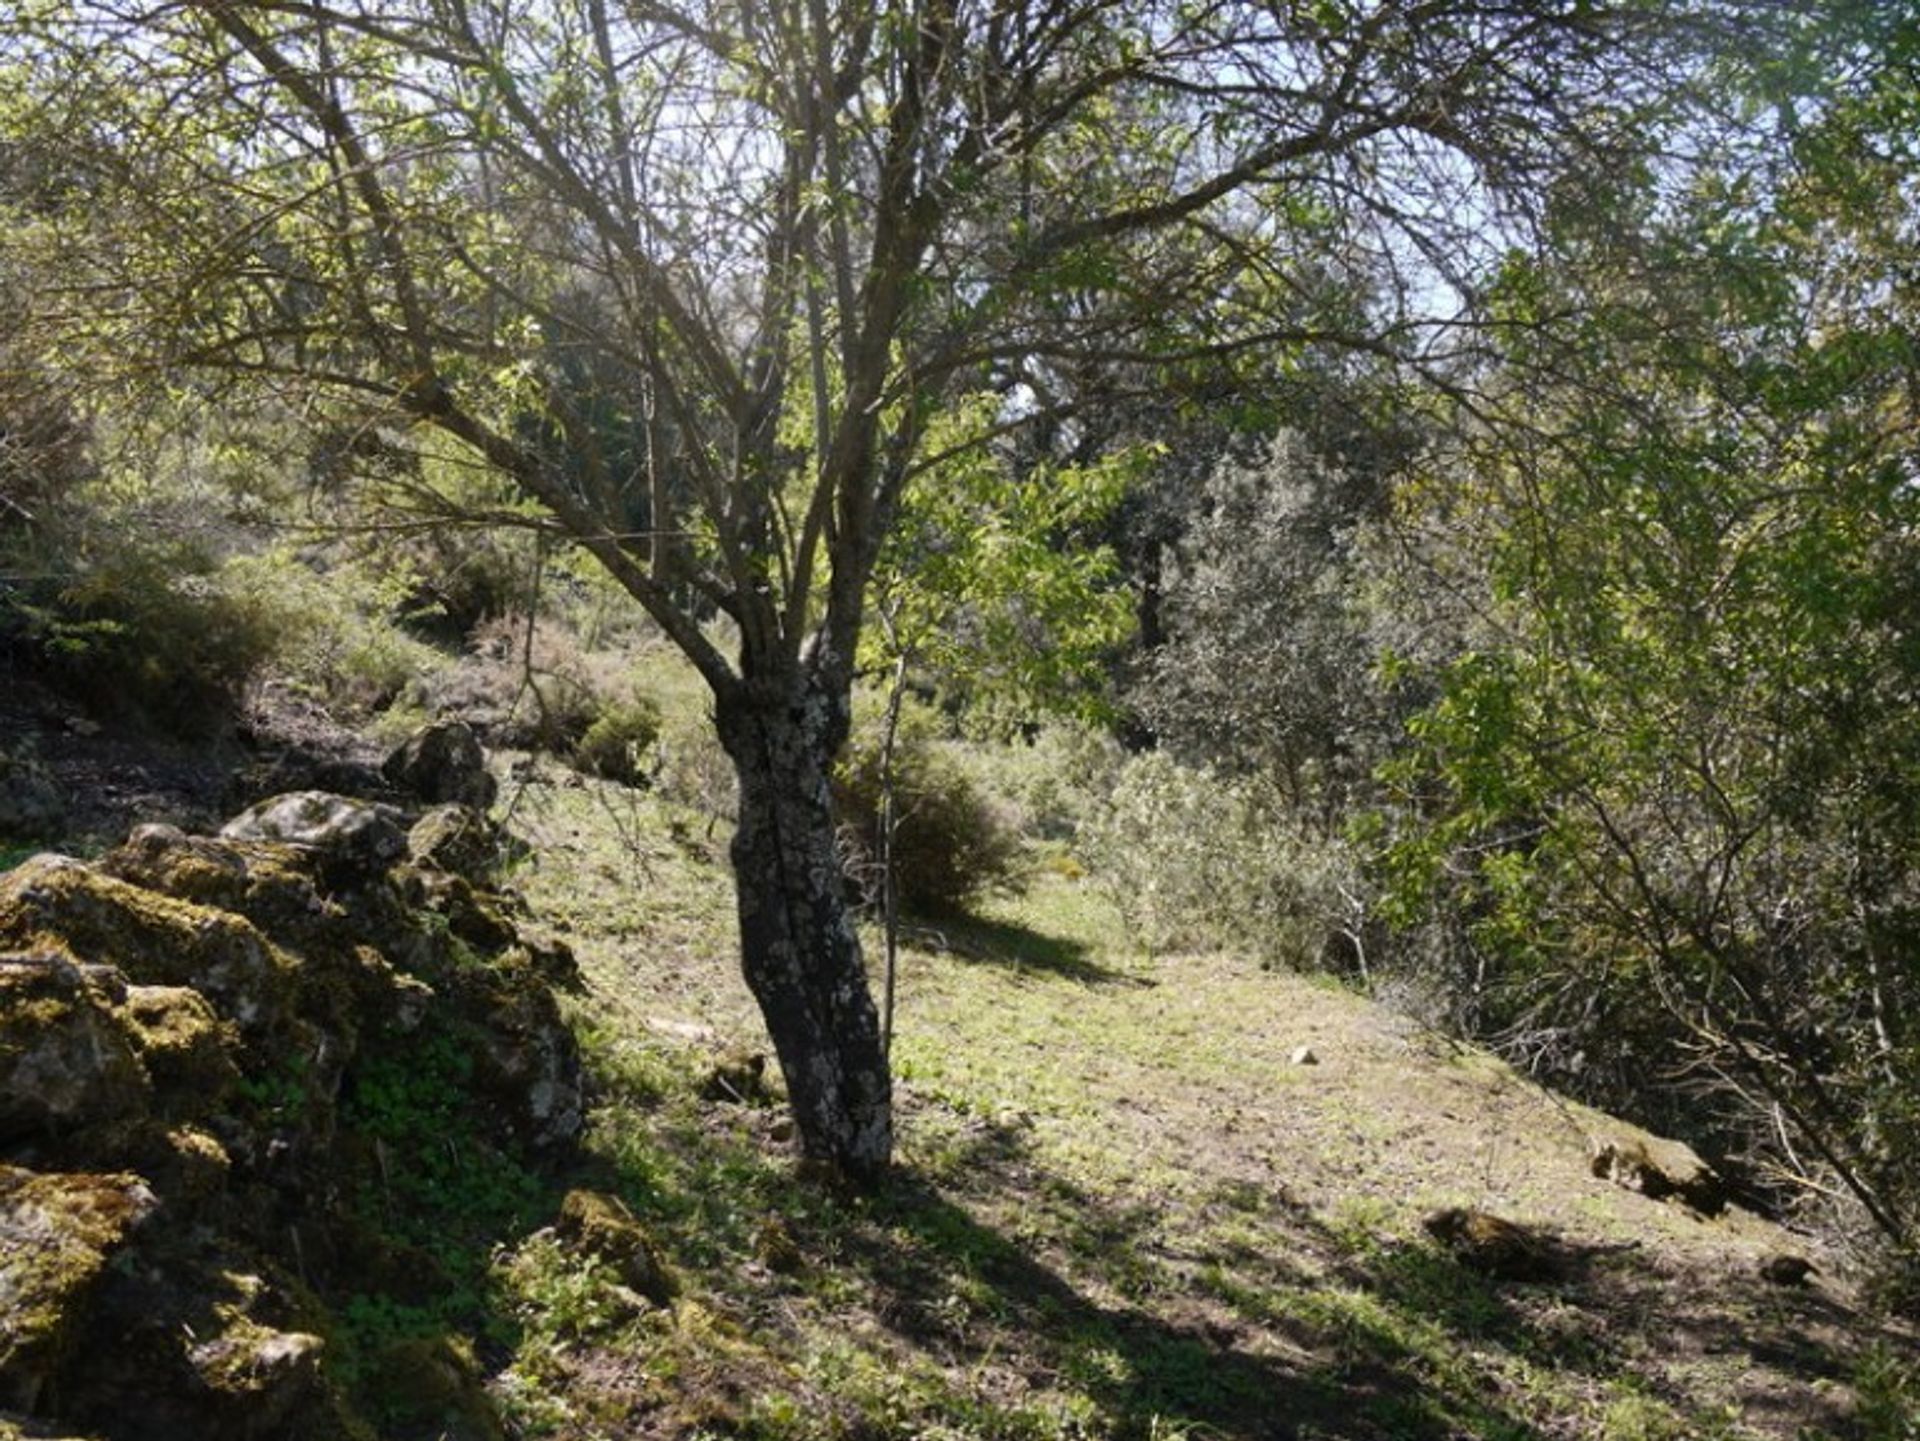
1126	1206
1126	1209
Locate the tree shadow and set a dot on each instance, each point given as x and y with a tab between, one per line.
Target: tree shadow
1153	1361
1015	947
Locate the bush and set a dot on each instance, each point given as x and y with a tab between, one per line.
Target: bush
136	625
1196	862
542	691
951	844
617	745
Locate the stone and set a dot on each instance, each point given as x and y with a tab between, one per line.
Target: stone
1493	1246
66	1059
1660	1170
435	1382
1785	1270
530	1063
442	762
185	1047
739	1076
58	1235
150	938
353	839
602	1227
259	1372
457	839
1303	1056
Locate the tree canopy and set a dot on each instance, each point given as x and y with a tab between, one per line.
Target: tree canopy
697	279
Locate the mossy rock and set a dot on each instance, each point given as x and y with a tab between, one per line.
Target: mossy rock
435	1382
66	1058
456	839
185	1047
55	902
602	1227
58	1234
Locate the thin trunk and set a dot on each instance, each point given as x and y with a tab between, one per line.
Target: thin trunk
799	948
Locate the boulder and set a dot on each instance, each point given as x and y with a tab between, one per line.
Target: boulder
457	839
527	1059
442	763
352	839
54	901
435	1382
185	1047
66	1058
58	1235
1660	1170
259	1376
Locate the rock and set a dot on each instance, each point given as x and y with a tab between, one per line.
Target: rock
442	762
602	1226
66	1060
1493	1246
151	938
1660	1170
1785	1270
33	804
1303	1056
58	1234
739	1076
457	839
354	840
775	1248
529	1062
259	1373
184	1046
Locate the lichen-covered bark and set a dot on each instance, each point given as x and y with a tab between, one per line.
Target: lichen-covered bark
799	948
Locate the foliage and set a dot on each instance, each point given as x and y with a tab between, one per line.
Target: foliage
1197	860
618	744
951	844
992	584
1669	798
116	592
1266	667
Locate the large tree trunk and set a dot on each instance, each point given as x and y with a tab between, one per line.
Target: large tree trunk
799	948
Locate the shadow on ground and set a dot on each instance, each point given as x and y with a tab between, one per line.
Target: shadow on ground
1016	947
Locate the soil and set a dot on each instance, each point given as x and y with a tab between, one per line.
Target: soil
116	779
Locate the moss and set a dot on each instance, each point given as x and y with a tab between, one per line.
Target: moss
602	1227
152	938
185	1047
57	1235
435	1381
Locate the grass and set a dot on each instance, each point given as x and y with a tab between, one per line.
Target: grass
1121	1210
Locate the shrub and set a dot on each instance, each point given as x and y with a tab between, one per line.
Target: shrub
538	691
951	844
617	745
1195	861
136	625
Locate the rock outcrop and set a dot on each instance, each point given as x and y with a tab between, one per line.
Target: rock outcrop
208	1048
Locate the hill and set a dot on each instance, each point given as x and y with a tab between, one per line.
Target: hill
1138	1196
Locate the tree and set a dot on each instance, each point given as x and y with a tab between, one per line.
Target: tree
696	278
1673	786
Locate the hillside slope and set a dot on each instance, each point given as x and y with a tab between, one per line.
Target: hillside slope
1128	1206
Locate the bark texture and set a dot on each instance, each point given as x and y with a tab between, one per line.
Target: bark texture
799	948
